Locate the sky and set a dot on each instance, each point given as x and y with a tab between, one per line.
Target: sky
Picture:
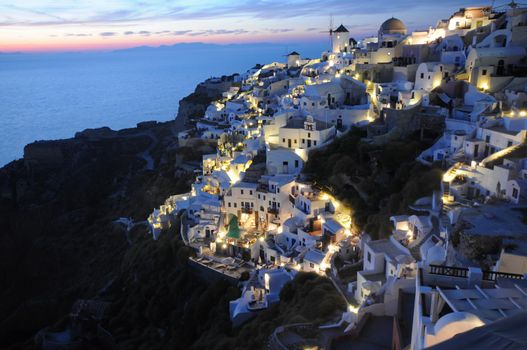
79	25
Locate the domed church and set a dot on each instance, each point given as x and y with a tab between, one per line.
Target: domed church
391	32
393	26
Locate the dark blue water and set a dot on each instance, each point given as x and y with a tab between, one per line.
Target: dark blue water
51	96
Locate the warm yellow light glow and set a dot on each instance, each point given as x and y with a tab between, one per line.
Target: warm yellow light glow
523	113
353	309
224	246
485	86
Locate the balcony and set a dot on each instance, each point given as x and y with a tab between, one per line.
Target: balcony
273	210
247	210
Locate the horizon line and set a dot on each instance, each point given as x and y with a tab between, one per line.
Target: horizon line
124	47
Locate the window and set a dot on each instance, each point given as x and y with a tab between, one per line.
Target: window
308	135
283	140
278	190
369	257
303	140
484	72
311	265
296	163
258	196
296	141
487	138
229	204
241	191
235	205
509	143
422	75
251	192
515	193
315	143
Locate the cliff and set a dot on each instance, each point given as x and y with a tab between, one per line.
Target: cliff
58	239
61	248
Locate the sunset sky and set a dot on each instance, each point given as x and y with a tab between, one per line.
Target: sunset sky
59	25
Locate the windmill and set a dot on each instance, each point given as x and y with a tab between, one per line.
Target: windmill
330	31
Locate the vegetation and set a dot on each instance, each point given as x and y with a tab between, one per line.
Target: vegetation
165	305
376	182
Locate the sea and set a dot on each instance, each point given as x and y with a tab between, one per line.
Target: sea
51	96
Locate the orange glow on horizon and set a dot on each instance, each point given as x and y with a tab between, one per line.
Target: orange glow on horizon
97	43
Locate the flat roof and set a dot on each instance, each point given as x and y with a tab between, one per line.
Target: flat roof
243	184
387	247
503	220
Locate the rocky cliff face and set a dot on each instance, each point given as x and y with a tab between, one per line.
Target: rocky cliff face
58	239
195	104
59	243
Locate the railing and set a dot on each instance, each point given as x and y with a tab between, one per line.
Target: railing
272	210
493	275
462	272
247	210
449	271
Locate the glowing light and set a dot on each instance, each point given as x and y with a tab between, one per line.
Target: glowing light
353	309
485	86
261	239
224	246
523	113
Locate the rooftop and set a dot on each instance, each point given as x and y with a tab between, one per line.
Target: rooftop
387	247
489	303
299	124
503	220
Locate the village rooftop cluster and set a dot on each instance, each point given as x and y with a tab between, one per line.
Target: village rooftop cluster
252	216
